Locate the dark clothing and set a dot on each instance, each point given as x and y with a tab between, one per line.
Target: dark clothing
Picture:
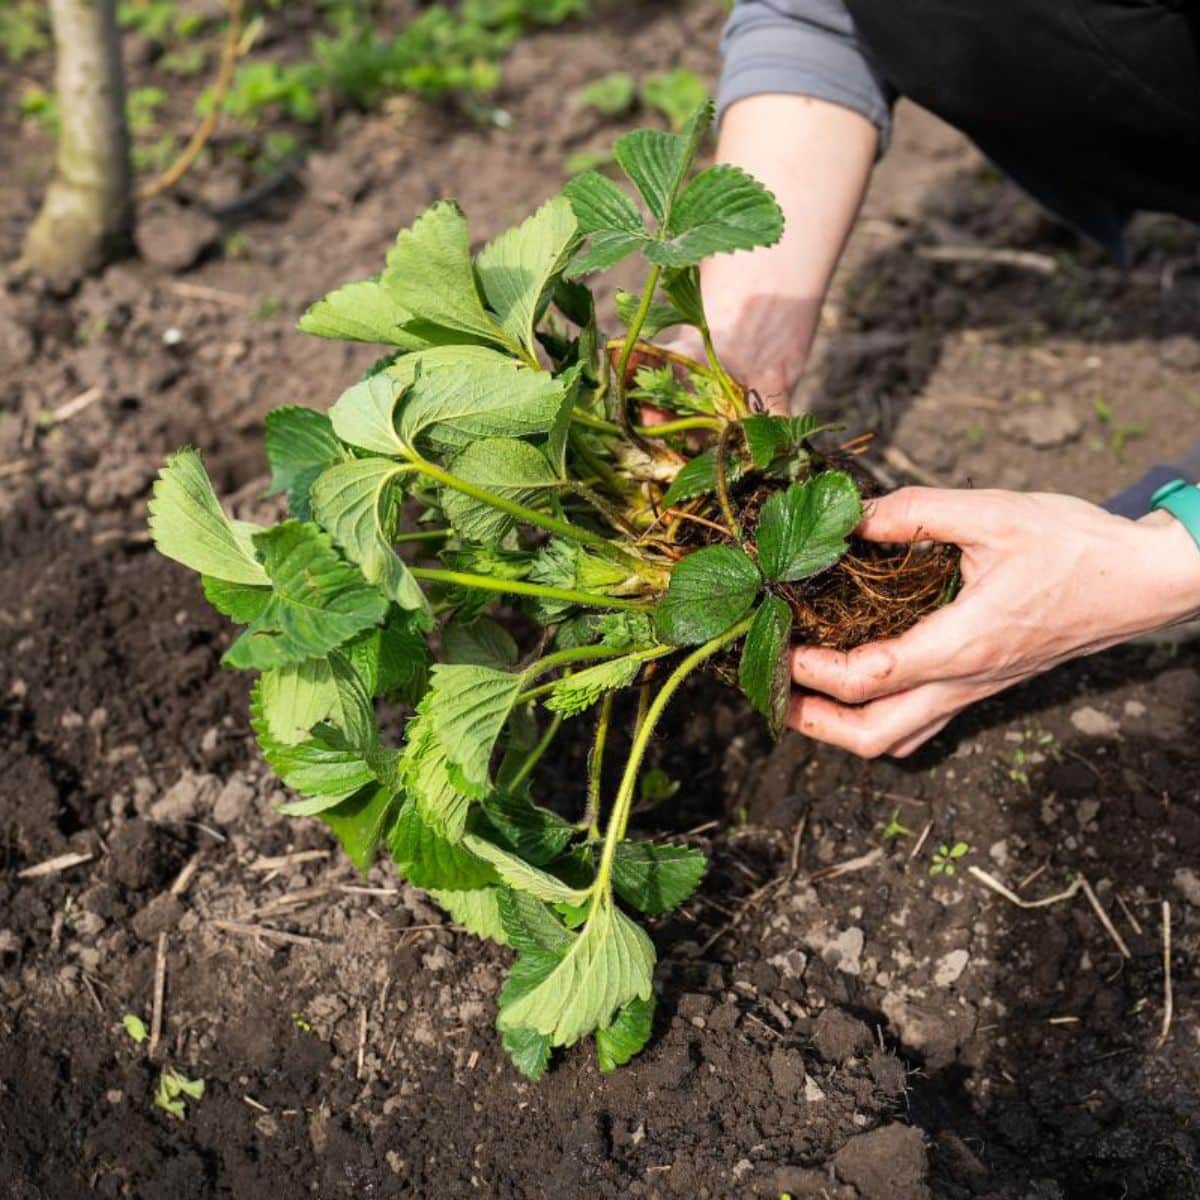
1093	106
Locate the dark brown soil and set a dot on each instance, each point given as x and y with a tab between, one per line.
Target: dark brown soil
881	1033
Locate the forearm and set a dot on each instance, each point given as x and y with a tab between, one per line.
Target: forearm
816	157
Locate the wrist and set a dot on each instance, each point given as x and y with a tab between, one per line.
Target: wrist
1172	570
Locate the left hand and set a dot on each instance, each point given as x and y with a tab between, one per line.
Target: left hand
1045	578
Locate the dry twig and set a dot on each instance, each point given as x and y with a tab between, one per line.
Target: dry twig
160	988
53	866
845	868
203	131
242	929
1168	989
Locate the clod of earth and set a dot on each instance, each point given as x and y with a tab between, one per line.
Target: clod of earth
496	444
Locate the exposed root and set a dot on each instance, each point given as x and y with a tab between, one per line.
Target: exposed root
872	594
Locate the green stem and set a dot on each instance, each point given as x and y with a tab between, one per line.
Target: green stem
530	516
591	816
582	654
536	753
733	393
631	337
666	429
519	587
570	656
423	535
619	819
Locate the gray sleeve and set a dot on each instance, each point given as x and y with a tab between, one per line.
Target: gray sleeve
804	47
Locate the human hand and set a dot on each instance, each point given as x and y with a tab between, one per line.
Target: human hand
1046	578
762	341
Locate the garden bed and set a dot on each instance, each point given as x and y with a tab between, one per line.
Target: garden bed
883	1032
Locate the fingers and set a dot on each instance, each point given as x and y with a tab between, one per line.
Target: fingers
944	645
937	514
896	725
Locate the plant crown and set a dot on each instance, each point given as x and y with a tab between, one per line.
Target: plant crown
495	440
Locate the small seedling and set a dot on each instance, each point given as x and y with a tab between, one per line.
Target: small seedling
135	1027
1119	433
658	787
613	95
944	858
301	1023
675	94
174	1089
894	829
496	446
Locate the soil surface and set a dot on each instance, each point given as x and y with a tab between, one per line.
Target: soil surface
836	1020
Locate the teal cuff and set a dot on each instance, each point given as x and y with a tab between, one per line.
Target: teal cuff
1182	500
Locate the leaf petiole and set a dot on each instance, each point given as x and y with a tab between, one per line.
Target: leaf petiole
666	429
520	587
535	755
619	819
530	516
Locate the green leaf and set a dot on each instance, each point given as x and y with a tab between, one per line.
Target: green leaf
429	273
481	643
295	698
518	270
605	249
365	311
608	217
657	162
803	530
425	772
764	673
698	477
600	206
535	834
428	860
476	910
361	822
529	1051
523	876
242	602
349	501
300	445
364	414
473	393
469	706
721	210
325	773
609	964
135	1027
392	660
710	590
617	1043
769	438
574	694
352	712
187	524
318	601
508	468
655	877
531	927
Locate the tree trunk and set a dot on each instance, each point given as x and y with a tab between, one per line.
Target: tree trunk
88	210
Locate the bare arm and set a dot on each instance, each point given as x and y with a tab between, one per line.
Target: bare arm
763	306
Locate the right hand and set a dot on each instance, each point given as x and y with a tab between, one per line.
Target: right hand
764	346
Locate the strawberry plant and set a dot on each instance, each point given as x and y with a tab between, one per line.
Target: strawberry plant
481	530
